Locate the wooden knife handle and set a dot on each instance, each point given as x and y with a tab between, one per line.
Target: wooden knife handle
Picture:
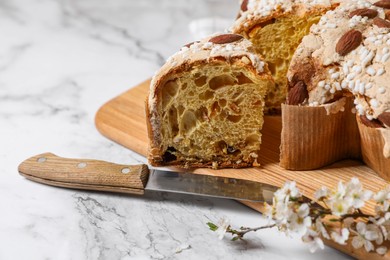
85	174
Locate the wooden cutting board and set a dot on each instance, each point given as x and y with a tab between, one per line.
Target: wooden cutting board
123	120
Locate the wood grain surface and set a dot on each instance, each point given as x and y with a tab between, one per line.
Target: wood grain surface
85	174
123	120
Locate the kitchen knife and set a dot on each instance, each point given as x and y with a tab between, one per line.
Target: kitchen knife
97	175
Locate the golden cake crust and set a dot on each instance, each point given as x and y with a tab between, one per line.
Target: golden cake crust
255	13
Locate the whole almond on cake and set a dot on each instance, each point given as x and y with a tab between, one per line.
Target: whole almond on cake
348	55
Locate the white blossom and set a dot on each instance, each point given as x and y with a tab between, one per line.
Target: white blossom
384	233
340	206
354	190
312	238
223	226
337	202
382	198
381	250
348	222
341	190
284	207
282	211
381	223
321	193
348	197
321	228
299	221
289	190
365	234
291	214
377	221
340	236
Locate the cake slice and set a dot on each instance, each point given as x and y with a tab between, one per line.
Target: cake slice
276	27
205	106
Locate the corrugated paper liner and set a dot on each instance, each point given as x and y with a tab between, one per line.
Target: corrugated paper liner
313	137
375	149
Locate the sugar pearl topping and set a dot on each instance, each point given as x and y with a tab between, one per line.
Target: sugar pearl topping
259	9
360	68
266	7
227	46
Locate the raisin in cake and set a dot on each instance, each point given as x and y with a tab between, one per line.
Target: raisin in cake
205	106
276	27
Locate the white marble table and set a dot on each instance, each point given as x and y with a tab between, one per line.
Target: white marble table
59	62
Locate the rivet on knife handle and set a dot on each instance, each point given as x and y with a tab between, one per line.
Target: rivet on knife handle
84	174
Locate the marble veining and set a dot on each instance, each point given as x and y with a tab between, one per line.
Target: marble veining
60	60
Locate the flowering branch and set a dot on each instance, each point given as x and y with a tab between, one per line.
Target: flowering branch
291	212
224	227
